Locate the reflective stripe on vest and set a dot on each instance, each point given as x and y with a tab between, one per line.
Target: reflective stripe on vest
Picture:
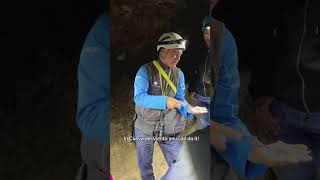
164	74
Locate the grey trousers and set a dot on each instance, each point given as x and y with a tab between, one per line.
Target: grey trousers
95	161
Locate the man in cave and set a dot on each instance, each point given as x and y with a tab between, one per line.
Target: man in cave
161	108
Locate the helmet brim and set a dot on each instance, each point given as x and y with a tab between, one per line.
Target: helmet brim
171	46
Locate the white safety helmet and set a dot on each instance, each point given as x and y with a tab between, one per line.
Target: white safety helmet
171	40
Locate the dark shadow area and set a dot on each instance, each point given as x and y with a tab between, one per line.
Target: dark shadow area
136	28
41	48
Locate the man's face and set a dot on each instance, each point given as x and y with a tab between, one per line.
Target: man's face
171	57
206	37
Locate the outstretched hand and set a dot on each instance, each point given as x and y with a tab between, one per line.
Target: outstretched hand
280	154
197	110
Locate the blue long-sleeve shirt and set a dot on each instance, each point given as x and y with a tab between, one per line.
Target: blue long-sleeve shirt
93	83
143	99
224	109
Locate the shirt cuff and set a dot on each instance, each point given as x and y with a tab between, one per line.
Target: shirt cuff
184	111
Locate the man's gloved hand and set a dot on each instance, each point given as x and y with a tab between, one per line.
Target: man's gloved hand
197	110
280	154
263	118
219	133
172	103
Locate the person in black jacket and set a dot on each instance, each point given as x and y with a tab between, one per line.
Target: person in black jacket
199	87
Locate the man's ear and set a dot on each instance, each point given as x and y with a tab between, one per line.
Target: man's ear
163	52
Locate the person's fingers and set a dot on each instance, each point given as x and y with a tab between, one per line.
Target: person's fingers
170	103
177	105
288	149
273	157
304	157
293	154
204	111
192	110
301	147
173	103
308	158
201	109
296	158
198	110
279	154
298	147
300	155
